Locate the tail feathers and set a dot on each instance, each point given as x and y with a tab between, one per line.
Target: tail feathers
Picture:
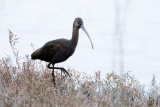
35	54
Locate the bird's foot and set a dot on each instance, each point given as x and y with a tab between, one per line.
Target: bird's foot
64	71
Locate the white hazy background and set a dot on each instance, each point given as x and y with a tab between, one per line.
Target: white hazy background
131	27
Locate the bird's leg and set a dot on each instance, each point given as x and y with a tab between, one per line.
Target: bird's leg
63	70
49	66
53	76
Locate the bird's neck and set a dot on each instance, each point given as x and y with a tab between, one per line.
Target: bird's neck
75	36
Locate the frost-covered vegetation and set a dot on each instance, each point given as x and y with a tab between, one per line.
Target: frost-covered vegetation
29	83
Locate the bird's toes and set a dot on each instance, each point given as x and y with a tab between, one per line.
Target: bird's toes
65	72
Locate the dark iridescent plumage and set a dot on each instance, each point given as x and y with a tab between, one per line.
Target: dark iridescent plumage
58	49
61	49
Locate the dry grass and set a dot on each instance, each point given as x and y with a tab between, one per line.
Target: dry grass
30	84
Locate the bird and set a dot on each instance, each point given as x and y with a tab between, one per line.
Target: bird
60	50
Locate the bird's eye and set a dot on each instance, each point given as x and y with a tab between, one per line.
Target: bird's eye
80	22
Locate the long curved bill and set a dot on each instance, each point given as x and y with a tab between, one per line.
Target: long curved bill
83	28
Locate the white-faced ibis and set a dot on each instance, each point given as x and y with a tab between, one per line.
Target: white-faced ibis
59	50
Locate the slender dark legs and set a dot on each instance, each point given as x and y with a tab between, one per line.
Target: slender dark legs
49	66
53	76
62	70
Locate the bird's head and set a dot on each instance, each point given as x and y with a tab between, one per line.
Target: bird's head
78	22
